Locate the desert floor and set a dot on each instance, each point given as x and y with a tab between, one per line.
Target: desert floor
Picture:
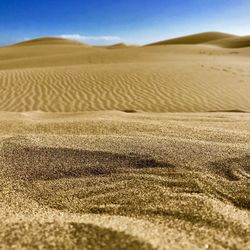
92	158
74	78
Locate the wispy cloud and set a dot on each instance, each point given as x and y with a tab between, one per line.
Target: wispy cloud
95	40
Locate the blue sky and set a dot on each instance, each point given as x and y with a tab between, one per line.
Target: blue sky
111	21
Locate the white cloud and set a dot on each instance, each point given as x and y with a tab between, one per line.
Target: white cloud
95	40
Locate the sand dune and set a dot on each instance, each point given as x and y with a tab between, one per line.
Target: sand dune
75	78
144	181
195	39
106	167
49	41
117	46
233	42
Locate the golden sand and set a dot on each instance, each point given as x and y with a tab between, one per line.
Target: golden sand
165	181
52	76
130	177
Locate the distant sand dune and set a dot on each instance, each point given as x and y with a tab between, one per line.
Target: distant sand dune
194	39
233	42
72	78
105	167
49	41
117	46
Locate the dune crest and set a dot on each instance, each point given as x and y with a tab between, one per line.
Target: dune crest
60	75
49	41
233	42
194	39
105	148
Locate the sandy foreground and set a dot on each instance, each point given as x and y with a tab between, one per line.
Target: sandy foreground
92	158
115	180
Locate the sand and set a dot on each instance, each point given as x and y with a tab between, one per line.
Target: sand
232	42
52	76
115	148
195	39
144	181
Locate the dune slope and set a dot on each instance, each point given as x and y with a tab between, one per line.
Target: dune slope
49	41
102	168
194	39
117	46
70	78
233	42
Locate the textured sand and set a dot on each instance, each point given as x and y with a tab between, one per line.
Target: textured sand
51	75
116	171
113	180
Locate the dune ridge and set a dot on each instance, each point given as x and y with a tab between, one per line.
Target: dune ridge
117	46
49	41
106	148
70	78
194	39
233	42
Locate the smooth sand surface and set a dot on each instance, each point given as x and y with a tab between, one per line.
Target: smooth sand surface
49	41
58	75
116	180
91	159
195	39
232	42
